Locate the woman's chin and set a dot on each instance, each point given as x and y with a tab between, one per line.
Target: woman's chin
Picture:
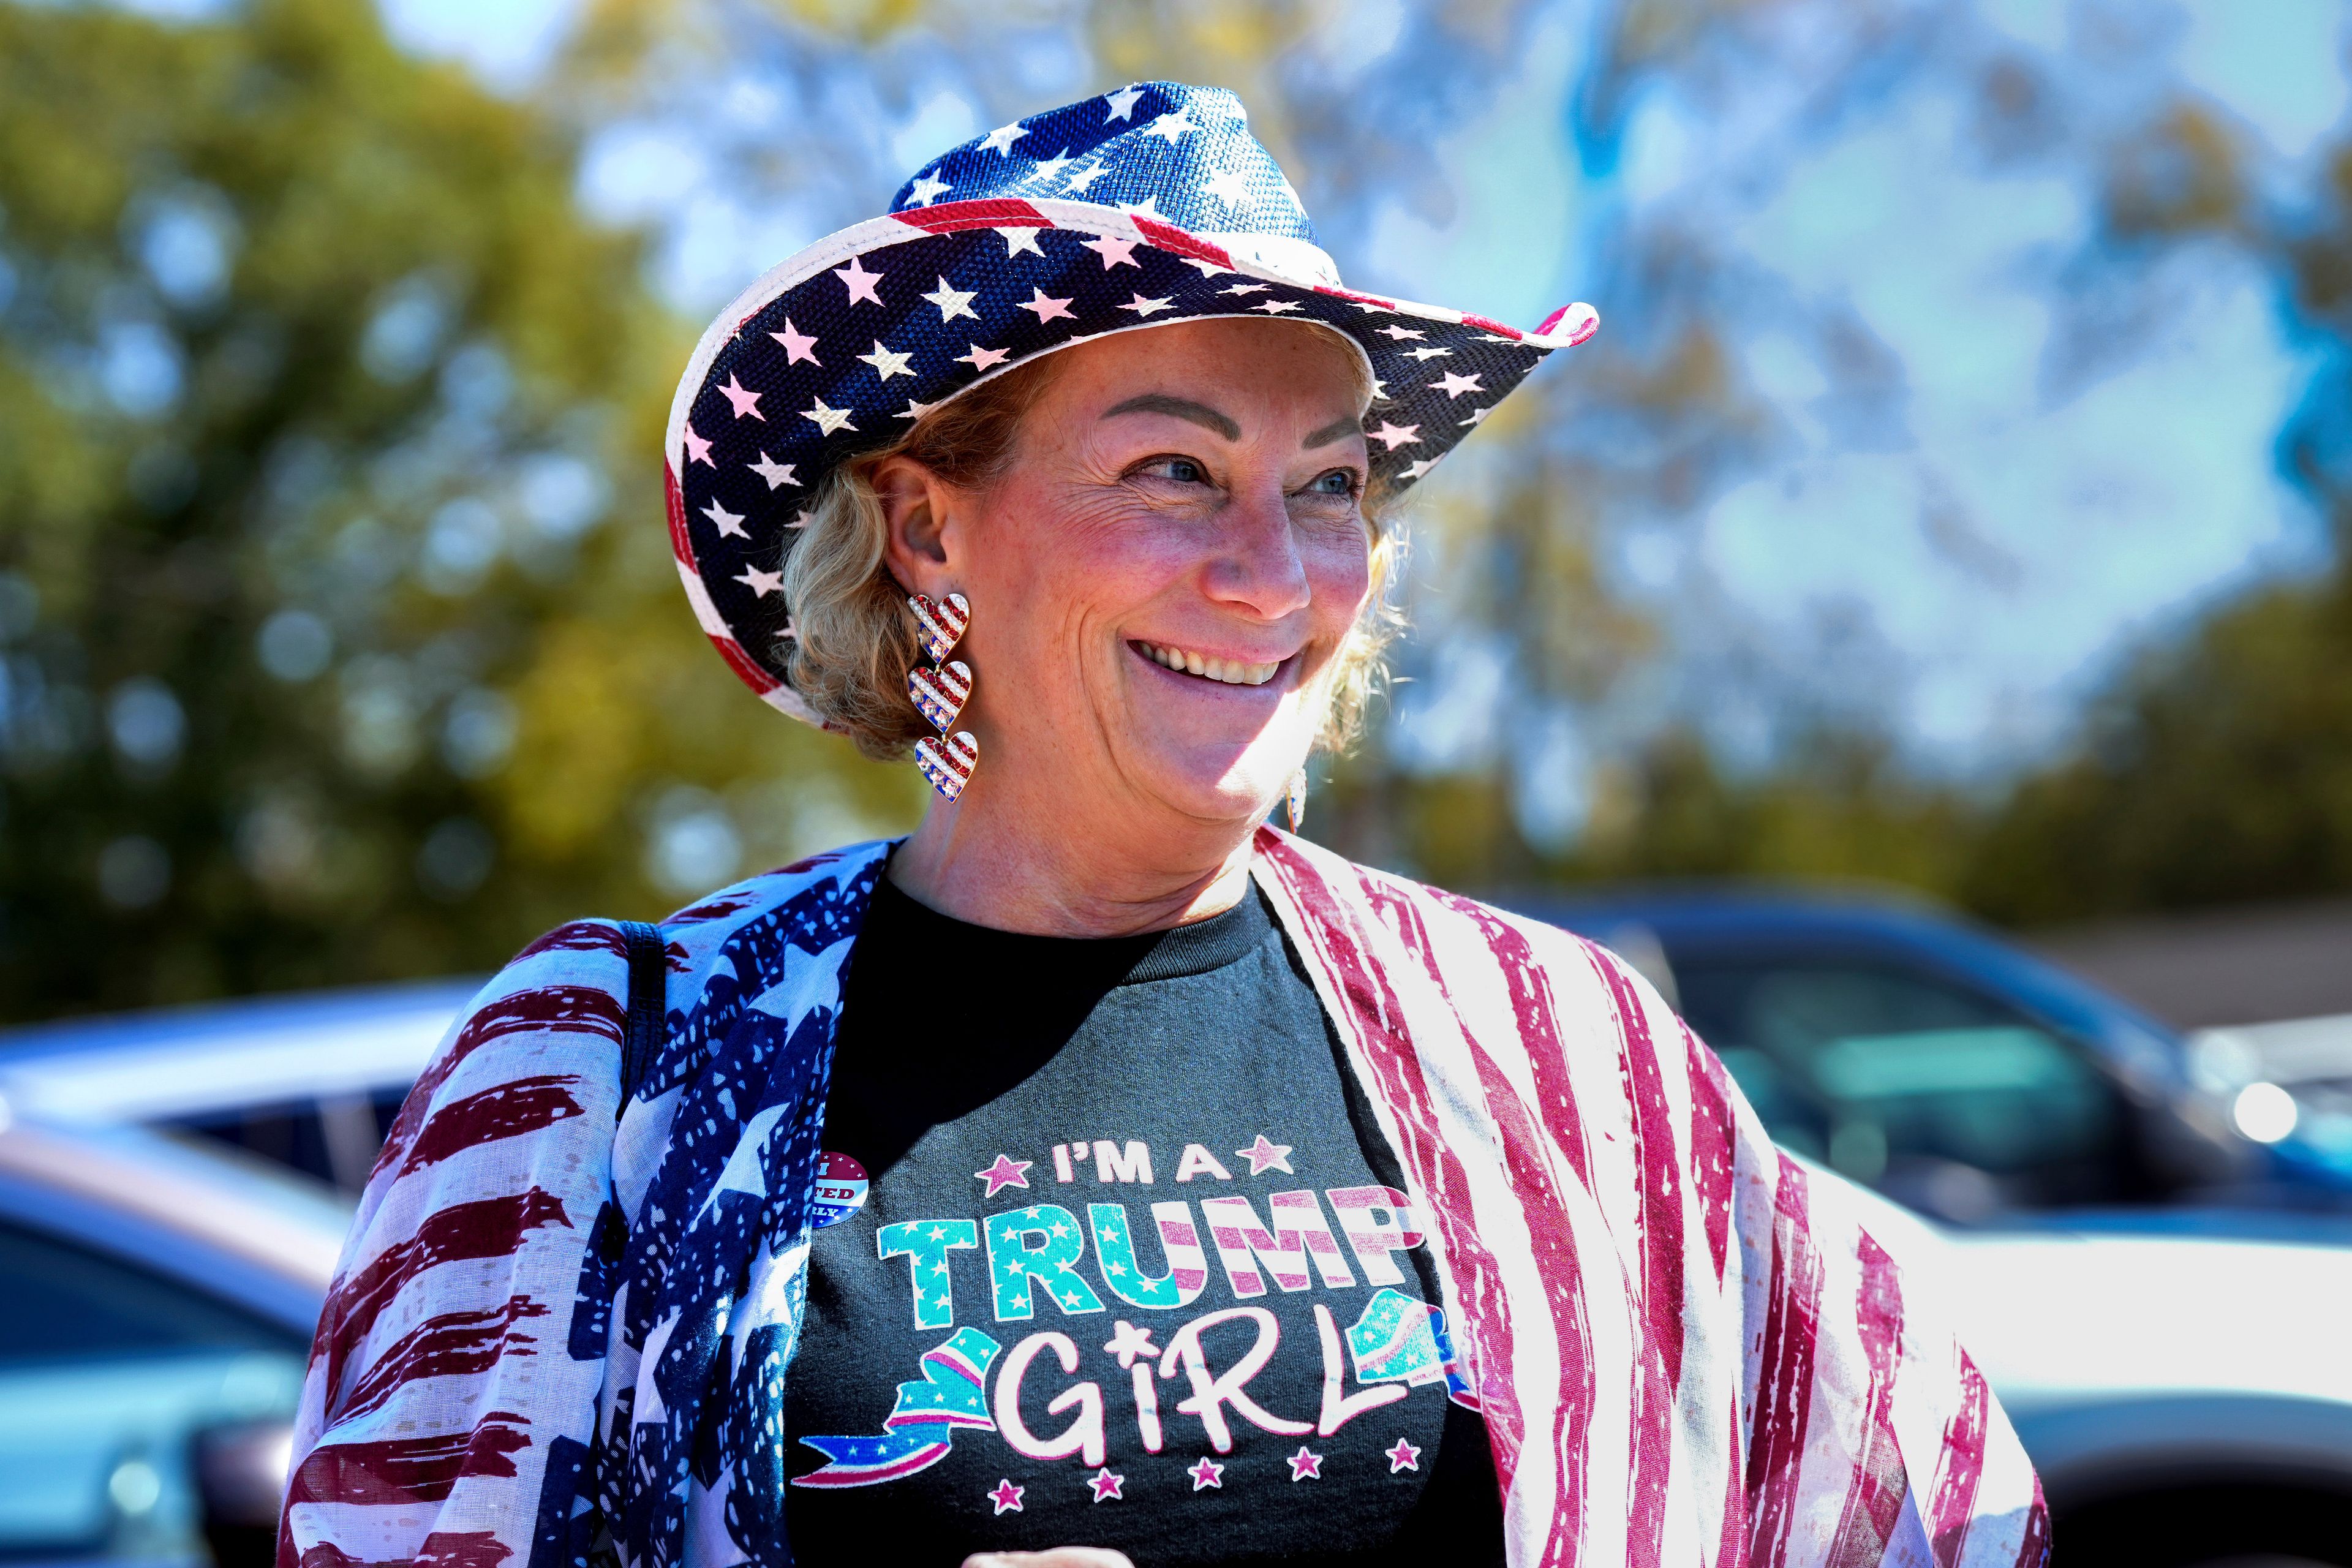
1213	782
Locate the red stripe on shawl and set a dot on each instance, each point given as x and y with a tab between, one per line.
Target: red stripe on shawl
442	1549
441	1345
504	1111
1731	1551
1874	1498
581	1008
1533	1184
2033	1552
1711	1146
489	1227
1784	1381
1376	1017
1658	1357
1963	1467
408	1470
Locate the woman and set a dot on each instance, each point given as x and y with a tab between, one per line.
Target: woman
901	1249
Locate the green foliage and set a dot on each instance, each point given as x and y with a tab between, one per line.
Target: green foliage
2220	772
338	636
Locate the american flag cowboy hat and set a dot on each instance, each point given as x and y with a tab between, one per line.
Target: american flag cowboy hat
1143	206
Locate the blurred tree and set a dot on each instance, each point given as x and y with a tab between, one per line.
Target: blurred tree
322	655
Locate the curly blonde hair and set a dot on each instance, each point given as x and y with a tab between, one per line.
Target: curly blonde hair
854	639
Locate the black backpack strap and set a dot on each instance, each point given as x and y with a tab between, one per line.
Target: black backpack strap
648	1004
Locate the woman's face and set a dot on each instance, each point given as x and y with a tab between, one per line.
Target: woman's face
1162	580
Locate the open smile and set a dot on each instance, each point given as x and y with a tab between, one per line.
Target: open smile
1229	671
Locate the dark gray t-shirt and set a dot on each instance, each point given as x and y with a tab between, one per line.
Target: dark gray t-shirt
1131	1267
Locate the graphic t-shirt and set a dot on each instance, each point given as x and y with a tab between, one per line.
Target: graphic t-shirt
1122	1259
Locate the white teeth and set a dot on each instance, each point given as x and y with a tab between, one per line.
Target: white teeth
1231	672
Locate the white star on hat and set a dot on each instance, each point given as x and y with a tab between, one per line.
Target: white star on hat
983	359
1114	252
1428	352
1017	240
1414	470
1148	207
953	302
886	363
1046	307
1246	288
1206	267
917	410
1401	333
1230	187
1078	180
925	191
798	345
1395	434
776	474
1002	139
1048	167
858	281
697	450
744	401
1478	415
762	582
827	419
1453	385
1276	307
1122	103
1170	128
1147	308
730	524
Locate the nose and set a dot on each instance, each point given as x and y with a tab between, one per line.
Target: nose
1257	566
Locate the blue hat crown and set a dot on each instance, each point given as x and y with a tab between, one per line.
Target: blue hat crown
1158	149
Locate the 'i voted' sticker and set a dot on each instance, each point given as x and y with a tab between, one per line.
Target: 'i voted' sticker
840	1190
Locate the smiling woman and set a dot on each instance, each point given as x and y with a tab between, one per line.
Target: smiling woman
1503	1268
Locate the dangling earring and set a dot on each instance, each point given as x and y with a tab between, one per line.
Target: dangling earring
1298	801
940	693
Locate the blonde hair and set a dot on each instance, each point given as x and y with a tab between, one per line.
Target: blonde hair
855	639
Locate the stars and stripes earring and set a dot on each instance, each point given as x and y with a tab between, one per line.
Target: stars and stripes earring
1298	801
939	691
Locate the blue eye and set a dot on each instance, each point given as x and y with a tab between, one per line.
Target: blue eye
1184	470
1337	482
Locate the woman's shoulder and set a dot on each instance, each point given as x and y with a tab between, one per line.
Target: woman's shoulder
1328	886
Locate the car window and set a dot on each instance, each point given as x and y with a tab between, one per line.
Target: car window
1942	1097
334	1138
65	1303
107	1372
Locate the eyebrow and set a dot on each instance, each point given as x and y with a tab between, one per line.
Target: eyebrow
1179	408
1338	430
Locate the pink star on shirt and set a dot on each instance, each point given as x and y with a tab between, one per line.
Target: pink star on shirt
1305	1465
1404	1457
1007	1497
1006	1172
1106	1485
1207	1473
1265	1156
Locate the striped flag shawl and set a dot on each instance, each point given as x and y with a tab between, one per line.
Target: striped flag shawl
551	1339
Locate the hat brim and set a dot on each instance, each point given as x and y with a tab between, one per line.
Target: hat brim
738	481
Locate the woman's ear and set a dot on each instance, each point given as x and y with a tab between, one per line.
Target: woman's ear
914	521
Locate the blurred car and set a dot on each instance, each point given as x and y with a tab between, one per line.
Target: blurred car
2186	1394
1957	1074
309	1081
2293	1077
153	1332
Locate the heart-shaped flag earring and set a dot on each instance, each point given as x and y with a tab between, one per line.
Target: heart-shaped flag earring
940	693
948	762
942	624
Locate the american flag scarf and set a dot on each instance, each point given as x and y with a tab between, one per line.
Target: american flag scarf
552	1338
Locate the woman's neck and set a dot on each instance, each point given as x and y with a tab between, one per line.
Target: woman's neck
970	864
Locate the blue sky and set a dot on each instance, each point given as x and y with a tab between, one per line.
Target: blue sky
2057	473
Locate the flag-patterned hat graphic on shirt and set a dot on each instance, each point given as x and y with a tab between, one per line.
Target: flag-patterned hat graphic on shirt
1143	206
